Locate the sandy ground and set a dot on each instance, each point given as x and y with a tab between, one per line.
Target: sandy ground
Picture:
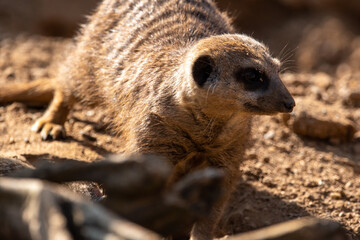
286	175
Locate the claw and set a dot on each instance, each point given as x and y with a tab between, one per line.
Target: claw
49	130
37	126
57	132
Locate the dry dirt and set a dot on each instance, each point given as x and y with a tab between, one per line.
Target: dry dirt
286	175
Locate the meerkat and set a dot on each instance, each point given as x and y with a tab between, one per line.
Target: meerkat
177	80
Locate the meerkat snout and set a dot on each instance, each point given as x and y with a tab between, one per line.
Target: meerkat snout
280	98
289	104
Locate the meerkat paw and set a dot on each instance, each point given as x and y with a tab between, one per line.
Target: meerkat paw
48	130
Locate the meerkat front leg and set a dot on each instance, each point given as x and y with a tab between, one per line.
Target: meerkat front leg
204	229
51	124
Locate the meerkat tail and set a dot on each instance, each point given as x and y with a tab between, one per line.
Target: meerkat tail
37	92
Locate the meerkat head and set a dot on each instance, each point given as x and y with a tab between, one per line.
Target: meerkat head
236	73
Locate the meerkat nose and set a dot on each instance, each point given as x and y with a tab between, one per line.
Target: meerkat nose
289	104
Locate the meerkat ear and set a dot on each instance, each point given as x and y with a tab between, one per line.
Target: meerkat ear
202	68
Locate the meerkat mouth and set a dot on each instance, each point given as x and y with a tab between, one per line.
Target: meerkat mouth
261	111
253	108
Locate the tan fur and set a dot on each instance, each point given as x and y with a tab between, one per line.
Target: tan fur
137	58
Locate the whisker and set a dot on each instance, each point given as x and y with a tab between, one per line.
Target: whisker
280	55
214	86
286	55
207	94
287	60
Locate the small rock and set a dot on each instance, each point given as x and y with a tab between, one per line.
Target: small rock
320	183
348	185
311	184
339	204
269	135
11	140
310	121
90	113
336	195
272	149
252	156
108	140
267	181
312	204
88	136
341	214
26	140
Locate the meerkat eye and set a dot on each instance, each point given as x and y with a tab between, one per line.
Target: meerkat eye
252	79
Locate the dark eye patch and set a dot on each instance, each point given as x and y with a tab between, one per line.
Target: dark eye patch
252	79
202	69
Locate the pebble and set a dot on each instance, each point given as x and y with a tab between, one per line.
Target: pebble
312	204
88	136
90	113
314	196
11	140
310	184
336	195
268	181
272	149
108	140
348	185
339	204
252	156
26	140
269	135
326	126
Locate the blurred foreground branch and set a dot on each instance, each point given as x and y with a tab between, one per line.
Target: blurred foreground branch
32	209
135	188
303	228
